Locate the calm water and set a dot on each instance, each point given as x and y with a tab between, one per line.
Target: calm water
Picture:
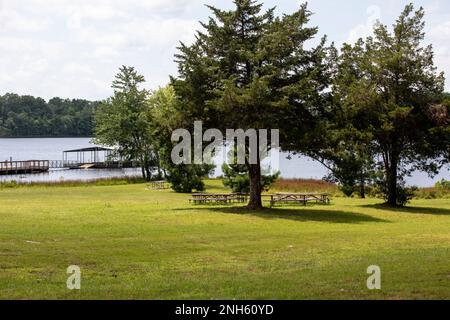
52	149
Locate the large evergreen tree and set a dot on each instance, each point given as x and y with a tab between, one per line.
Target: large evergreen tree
389	92
251	70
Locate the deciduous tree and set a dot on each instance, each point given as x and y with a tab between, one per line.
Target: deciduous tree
124	121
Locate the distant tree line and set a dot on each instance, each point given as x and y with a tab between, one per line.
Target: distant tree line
27	116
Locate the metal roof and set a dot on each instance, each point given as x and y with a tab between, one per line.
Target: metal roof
91	149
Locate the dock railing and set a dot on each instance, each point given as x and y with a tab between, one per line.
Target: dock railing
7	167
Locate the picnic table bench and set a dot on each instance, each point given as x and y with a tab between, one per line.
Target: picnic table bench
303	198
225	198
228	198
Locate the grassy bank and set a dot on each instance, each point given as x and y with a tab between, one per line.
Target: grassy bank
312	185
281	185
73	183
132	243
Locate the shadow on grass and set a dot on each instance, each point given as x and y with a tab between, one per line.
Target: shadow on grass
412	210
296	214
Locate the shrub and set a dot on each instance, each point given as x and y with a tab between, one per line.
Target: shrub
186	178
347	190
237	178
405	194
443	184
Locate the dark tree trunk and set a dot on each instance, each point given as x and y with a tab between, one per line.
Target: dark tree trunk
255	187
362	191
148	172
147	169
392	176
144	174
362	187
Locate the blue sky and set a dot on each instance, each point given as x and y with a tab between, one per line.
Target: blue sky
73	48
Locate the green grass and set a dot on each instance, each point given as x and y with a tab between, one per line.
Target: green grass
132	243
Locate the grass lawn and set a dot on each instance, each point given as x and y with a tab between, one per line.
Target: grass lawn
132	243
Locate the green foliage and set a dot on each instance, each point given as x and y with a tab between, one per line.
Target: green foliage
443	184
347	190
348	159
251	70
404	194
26	116
124	121
388	91
166	118
186	178
237	178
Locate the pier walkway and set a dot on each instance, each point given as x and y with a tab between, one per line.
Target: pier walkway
22	167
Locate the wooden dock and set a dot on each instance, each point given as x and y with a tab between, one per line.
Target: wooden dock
24	167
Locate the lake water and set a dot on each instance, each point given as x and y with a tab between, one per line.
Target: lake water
52	149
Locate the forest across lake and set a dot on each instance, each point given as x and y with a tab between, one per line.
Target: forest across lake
27	116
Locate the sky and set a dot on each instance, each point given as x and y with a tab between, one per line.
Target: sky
73	48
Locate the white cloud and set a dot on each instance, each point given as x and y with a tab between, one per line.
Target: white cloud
439	36
365	30
75	68
441	32
77	15
160	32
73	48
105	52
12	20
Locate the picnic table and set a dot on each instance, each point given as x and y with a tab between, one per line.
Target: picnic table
228	198
223	198
303	198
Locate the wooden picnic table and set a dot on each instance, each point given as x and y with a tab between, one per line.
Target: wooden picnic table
227	198
202	198
302	198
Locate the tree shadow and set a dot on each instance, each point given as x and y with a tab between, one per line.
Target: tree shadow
411	210
295	214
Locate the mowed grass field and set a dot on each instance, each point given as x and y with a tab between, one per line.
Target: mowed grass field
132	243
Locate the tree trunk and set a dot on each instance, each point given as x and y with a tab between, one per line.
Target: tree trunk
147	169
362	187
392	176
144	174
148	172
255	187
